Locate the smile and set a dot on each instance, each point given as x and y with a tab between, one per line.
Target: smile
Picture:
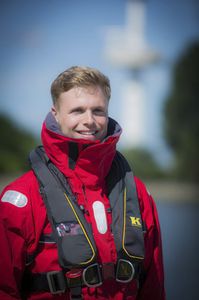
88	132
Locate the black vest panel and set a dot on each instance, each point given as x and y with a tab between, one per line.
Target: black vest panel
64	215
127	224
73	235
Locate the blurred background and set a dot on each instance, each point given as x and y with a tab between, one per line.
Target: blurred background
150	52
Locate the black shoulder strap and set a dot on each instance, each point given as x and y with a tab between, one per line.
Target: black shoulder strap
63	212
127	223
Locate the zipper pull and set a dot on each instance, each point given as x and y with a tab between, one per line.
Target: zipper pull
83	209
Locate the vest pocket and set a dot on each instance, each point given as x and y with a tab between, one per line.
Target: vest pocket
75	250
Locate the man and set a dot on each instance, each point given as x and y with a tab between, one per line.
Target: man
79	225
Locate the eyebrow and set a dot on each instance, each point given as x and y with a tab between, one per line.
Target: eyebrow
83	108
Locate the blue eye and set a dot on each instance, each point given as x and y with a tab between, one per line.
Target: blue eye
77	110
99	111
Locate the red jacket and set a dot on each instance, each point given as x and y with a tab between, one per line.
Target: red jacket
24	221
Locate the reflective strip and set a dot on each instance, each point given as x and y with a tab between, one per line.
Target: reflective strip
100	216
15	198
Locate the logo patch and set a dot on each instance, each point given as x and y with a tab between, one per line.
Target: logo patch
15	198
135	222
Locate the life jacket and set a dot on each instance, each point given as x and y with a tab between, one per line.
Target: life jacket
73	234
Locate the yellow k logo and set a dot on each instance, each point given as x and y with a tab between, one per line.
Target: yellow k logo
135	221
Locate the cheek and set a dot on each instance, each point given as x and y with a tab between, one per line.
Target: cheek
69	122
104	123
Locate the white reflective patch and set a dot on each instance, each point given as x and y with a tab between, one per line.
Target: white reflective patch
100	216
15	198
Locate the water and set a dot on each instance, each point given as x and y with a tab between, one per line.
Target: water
179	226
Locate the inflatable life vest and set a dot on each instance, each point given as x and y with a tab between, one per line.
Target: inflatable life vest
65	215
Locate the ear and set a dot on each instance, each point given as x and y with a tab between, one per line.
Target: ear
54	112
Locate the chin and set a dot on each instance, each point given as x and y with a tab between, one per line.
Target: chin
89	138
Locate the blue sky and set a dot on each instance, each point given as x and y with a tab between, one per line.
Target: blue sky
41	38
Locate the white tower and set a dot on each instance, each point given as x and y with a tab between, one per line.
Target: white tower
126	48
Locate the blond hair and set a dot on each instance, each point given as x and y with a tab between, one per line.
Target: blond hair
78	76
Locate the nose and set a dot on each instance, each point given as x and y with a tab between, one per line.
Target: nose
89	118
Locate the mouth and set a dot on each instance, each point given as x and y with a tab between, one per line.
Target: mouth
87	133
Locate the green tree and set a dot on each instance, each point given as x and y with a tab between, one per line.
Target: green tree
182	115
142	163
15	146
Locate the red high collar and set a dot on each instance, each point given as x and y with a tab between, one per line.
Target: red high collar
90	161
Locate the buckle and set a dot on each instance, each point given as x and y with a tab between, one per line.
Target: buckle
125	271
74	278
92	276
56	282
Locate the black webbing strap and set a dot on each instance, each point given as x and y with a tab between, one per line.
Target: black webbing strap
52	282
76	293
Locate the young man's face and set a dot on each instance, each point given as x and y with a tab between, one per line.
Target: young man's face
82	113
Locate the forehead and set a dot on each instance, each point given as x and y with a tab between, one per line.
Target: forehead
91	90
77	96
